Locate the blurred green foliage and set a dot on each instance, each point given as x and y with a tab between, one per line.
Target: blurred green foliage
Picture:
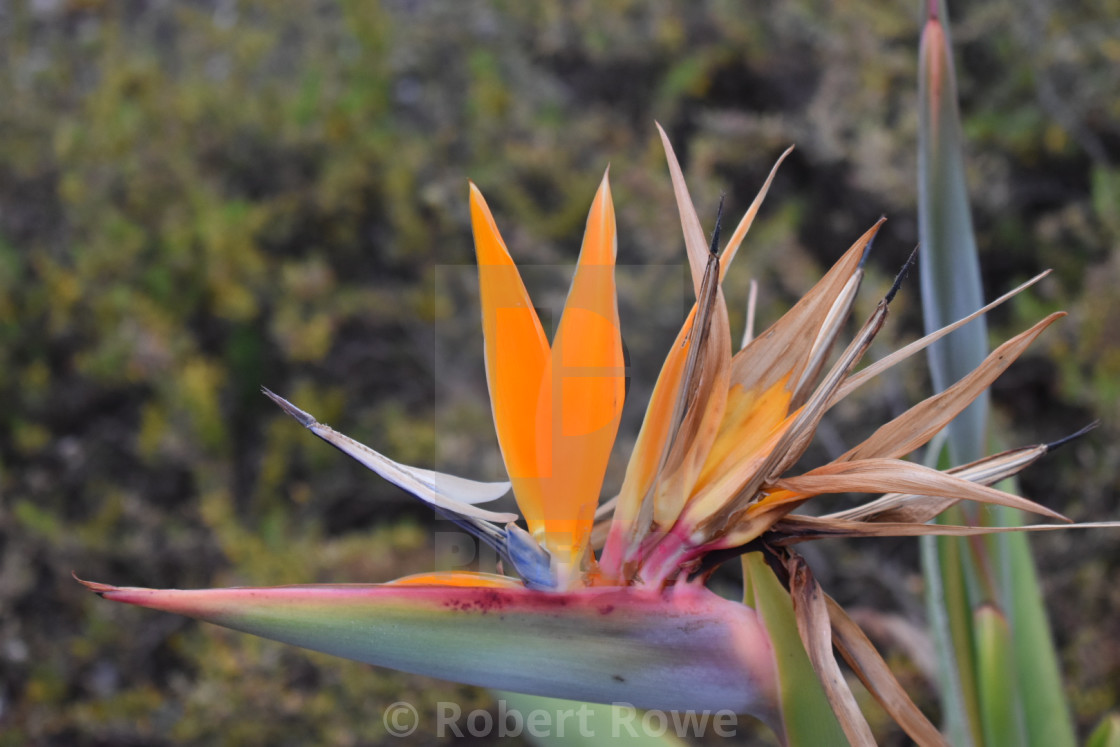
197	199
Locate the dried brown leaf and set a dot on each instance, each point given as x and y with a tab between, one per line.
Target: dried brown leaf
860	378
748	218
794	529
701	400
695	245
688	400
918	425
783	349
869	666
907	507
813	624
793	438
896	476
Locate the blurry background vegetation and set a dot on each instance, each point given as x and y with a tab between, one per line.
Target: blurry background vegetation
198	198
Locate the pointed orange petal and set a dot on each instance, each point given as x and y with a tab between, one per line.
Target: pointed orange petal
634	506
687	403
748	428
701	404
459	578
580	409
517	352
680	425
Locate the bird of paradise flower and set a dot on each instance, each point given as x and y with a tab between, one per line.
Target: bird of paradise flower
607	603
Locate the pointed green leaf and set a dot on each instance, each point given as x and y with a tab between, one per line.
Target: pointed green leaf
806	716
997	681
950	267
1047	713
955	638
1107	733
1000	570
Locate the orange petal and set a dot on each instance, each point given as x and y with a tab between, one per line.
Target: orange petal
517	352
634	506
748	427
686	406
579	410
459	578
701	403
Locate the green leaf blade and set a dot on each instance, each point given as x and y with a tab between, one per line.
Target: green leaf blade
950	266
806	718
